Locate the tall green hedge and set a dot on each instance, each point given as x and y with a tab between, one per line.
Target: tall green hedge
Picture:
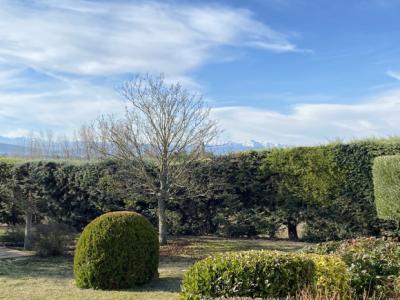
329	187
386	175
9	212
302	177
73	194
350	210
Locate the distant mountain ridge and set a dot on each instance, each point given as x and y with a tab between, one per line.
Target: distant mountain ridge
232	147
12	146
12	141
9	149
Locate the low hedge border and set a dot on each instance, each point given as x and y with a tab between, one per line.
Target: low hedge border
263	274
331	275
372	263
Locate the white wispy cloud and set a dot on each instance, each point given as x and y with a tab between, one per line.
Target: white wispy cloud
55	55
68	43
313	123
72	102
393	74
100	38
59	103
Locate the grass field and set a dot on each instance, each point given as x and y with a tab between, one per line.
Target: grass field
52	278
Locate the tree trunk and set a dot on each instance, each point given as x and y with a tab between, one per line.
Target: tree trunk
292	230
28	230
162	220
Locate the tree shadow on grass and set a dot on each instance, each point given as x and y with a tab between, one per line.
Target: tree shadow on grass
36	267
171	271
164	284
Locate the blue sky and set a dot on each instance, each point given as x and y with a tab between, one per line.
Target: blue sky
280	71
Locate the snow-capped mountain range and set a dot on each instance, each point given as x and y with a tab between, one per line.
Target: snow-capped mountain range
232	147
11	146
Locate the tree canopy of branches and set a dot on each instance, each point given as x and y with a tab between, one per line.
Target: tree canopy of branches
164	126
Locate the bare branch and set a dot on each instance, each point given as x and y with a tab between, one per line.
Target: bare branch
164	126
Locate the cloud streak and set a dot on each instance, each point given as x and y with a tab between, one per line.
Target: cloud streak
55	55
69	103
313	123
393	74
59	103
103	38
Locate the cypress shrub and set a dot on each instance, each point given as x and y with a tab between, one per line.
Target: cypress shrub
386	175
116	250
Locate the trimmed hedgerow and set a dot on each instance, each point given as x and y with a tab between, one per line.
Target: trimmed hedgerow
116	250
331	275
386	176
253	274
331	191
373	264
264	274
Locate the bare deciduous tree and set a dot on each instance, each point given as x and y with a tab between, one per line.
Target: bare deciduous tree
165	126
46	144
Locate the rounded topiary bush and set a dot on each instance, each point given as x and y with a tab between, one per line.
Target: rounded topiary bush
261	274
116	250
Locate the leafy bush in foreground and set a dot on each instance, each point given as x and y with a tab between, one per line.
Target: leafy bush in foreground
373	264
116	250
331	275
264	274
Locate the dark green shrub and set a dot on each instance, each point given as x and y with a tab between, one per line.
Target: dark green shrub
266	223
386	175
372	263
248	274
320	226
239	230
52	239
116	250
13	236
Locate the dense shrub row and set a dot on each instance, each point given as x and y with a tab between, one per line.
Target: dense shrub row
373	264
330	188
264	274
64	192
346	207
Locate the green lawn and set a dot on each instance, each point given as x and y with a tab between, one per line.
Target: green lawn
52	278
